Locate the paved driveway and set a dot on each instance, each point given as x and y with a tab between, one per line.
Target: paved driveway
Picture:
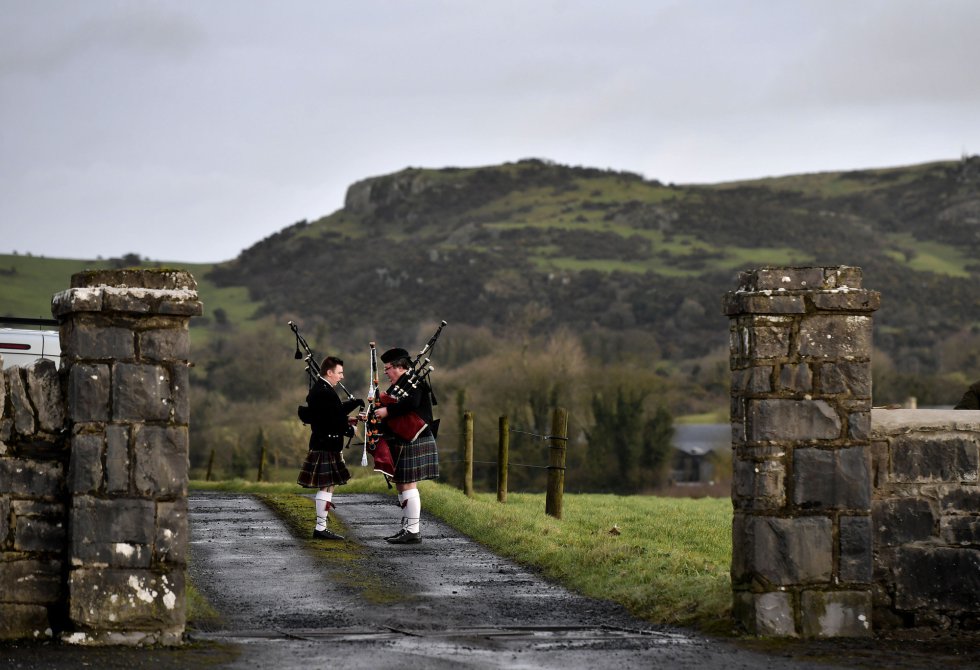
446	603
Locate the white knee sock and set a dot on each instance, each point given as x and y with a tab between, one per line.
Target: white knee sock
321	500
413	510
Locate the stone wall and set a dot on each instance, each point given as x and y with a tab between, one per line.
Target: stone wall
846	519
93	467
926	516
33	504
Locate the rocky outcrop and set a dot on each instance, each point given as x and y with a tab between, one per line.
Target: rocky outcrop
366	197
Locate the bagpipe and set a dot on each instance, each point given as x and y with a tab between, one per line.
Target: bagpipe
313	371
374	441
406	426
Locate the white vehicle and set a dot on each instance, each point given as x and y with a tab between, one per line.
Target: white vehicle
22	346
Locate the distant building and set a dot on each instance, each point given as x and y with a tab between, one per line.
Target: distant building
693	444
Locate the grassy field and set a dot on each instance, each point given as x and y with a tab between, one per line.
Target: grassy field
29	282
665	559
928	256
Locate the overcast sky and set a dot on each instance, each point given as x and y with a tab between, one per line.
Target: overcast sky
189	130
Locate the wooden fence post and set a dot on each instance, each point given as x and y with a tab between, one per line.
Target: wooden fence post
468	458
258	478
456	474
207	477
503	457
556	461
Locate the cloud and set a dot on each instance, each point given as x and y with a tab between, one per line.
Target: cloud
898	52
130	31
175	117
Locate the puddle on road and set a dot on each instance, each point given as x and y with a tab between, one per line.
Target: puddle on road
527	637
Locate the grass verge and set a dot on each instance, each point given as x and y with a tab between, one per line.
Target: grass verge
665	559
200	613
345	560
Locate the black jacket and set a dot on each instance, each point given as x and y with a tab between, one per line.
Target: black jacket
328	417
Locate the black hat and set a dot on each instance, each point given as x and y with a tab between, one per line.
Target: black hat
393	355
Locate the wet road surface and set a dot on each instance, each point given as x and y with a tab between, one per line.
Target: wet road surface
445	603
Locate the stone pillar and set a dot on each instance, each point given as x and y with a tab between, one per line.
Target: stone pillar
125	348
801	418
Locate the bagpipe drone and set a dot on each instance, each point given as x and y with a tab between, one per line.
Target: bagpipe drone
312	370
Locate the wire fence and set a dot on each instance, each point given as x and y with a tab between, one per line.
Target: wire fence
512	431
556	439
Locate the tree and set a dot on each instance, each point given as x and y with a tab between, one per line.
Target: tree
128	261
220	317
628	450
658	435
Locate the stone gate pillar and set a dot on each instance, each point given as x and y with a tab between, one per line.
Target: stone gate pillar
125	348
801	420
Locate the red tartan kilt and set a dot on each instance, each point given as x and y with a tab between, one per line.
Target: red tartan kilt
415	460
322	469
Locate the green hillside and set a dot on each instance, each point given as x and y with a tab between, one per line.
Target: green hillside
537	245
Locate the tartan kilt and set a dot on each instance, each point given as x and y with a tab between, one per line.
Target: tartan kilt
416	460
322	469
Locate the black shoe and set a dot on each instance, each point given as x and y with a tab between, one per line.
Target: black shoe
405	537
400	531
326	534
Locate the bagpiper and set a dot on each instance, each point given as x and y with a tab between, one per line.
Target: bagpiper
324	466
416	459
